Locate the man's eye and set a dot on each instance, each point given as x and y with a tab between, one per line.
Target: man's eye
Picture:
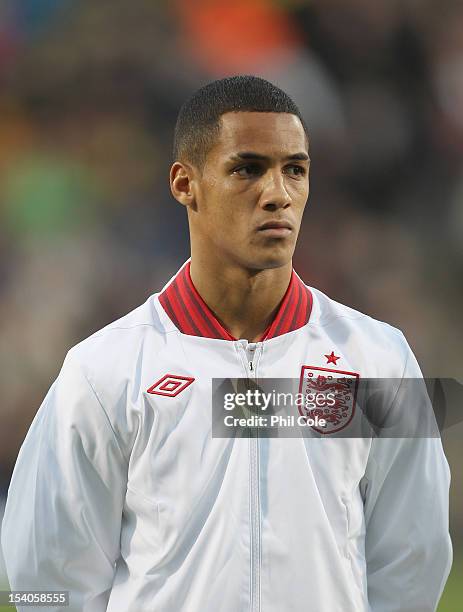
295	170
248	170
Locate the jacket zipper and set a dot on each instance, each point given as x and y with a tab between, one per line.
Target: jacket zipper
250	350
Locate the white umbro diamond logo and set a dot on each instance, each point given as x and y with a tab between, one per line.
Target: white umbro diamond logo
170	385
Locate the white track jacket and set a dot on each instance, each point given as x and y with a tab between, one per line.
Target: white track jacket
121	496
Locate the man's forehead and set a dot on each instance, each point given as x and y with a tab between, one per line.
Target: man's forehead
266	132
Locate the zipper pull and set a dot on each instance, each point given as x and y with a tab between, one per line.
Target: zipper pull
250	365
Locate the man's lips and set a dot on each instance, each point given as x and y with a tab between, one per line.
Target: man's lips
276	228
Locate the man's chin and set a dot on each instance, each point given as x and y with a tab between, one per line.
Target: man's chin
269	261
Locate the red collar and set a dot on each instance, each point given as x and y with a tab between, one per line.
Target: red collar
192	316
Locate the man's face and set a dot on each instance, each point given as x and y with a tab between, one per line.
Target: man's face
252	190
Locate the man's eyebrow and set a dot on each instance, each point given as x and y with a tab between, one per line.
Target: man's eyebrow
251	155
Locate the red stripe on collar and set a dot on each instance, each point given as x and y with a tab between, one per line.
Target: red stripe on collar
192	316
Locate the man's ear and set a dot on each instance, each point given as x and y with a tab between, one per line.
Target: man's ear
182	180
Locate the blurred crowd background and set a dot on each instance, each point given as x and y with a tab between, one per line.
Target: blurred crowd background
89	93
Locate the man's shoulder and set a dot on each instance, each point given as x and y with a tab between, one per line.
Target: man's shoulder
120	340
106	368
375	347
330	314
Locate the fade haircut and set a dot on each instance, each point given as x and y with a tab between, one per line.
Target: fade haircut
198	122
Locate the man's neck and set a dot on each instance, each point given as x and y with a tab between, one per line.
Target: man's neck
245	301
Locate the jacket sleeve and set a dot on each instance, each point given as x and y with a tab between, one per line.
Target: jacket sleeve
62	522
406	495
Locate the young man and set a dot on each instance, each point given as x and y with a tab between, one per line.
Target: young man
122	496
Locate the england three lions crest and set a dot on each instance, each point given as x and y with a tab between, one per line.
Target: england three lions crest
330	395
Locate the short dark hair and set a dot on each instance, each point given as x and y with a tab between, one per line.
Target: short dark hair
198	122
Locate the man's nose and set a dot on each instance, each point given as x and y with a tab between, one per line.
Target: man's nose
274	194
